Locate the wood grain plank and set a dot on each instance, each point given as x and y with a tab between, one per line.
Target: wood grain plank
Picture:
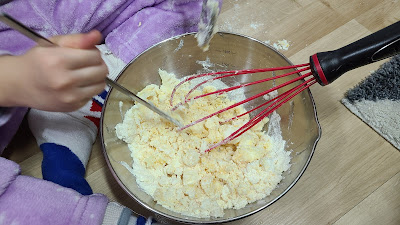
240	17
381	207
382	15
352	9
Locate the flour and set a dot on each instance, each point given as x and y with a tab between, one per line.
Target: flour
179	46
173	168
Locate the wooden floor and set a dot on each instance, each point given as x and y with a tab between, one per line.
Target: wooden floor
354	175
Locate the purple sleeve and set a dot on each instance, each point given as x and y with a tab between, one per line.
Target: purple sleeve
28	200
129	26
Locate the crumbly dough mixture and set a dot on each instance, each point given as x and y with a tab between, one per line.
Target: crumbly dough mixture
173	166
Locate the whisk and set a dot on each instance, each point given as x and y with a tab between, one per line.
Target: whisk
323	67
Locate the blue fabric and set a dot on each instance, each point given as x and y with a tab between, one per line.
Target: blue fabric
141	220
100	98
103	94
61	166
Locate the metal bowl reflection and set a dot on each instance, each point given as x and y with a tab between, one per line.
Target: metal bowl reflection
181	56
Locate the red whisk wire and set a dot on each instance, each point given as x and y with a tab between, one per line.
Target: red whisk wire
231	88
285	97
268	102
235	73
252	122
246	100
270	106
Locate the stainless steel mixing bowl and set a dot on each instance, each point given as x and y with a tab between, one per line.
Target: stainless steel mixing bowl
181	56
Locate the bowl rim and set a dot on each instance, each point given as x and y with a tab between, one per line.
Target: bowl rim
216	220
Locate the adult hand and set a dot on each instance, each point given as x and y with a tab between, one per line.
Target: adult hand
61	78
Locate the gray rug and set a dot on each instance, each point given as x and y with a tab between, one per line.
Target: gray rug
376	101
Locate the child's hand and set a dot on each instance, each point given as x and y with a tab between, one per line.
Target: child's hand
60	78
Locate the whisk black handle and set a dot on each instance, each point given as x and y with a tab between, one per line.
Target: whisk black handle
328	66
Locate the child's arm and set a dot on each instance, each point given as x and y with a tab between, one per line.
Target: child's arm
28	200
54	78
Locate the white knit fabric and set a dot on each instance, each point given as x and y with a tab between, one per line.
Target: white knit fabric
114	64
